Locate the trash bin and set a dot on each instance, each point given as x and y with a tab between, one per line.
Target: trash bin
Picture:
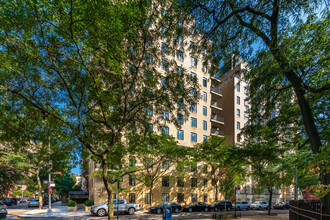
167	212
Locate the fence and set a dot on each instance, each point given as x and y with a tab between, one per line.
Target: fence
308	210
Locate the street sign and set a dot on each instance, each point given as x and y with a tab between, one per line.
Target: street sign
45	182
52	184
237	188
50	190
56	173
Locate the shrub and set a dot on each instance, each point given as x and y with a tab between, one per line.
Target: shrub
72	203
89	203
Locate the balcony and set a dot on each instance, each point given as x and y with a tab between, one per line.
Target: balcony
216	105
218	119
216	91
215	131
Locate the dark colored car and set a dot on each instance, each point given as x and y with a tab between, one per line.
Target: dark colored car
10	201
282	205
222	205
159	209
3	210
196	207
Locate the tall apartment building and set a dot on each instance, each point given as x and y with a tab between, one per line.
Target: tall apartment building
235	94
205	119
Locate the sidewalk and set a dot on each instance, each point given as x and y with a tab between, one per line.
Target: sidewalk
58	211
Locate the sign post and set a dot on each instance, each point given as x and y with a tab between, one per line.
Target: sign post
236	188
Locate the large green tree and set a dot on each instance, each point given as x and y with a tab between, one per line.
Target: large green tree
287	44
93	67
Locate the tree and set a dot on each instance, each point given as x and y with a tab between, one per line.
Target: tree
227	186
292	55
64	184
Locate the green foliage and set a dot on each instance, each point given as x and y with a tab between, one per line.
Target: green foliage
72	203
65	184
89	203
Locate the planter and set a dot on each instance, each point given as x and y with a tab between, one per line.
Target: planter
72	209
87	208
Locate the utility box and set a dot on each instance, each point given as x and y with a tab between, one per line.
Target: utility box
167	212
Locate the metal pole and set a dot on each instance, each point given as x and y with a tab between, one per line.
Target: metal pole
235	202
118	201
296	189
49	212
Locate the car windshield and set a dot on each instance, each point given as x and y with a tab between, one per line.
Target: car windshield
34	200
257	203
106	203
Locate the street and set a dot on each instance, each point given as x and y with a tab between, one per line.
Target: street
15	210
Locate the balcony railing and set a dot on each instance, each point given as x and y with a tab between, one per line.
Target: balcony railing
217	118
215	131
216	90
216	104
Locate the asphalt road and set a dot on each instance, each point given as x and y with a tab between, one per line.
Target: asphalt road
15	210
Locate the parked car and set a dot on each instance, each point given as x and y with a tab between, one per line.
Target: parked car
3	210
121	207
259	205
222	205
196	207
10	201
282	205
33	203
159	209
242	205
24	200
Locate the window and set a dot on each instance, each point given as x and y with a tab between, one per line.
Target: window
147	198
180	119
164	81
193	137
165	130
179	55
131	180
193	92
193	168
131	51
149	162
165	197
193	107
165	65
204	96
180	40
180	197
148	58
238	100
149	110
193	62
164	48
149	128
180	182
165	115
165	98
180	23
238	112
194	197
205	198
204	110
204	137
179	134
193	122
246	108
204	168
204	68
238	125
273	115
149	41
164	31
164	12
165	181
179	70
148	92
205	183
148	22
180	103
245	90
204	82
238	87
193	76
165	164
238	137
192	44
193	182
204	125
148	75
131	198
132	161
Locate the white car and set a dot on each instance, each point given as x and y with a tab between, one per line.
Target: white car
259	205
120	207
33	203
242	205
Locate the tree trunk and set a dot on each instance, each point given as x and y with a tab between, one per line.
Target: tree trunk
270	200
150	194
108	187
39	188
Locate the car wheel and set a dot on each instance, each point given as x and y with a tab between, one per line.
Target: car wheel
206	209
190	210
101	212
238	208
247	208
176	210
131	211
159	211
228	209
259	207
215	209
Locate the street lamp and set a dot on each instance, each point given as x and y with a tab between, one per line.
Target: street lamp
49	211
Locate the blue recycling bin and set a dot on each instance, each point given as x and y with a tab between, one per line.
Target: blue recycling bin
167	212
